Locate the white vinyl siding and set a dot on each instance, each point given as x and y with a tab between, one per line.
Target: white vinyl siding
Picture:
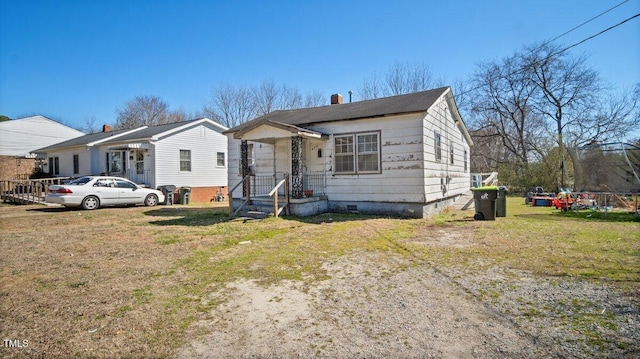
440	130
165	158
66	158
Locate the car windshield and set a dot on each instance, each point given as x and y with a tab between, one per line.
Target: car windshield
80	181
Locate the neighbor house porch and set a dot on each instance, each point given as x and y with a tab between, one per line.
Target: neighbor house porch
132	161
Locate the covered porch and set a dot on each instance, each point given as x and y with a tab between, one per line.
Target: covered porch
281	167
131	161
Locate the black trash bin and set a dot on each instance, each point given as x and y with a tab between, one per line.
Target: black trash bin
501	202
167	191
184	195
485	202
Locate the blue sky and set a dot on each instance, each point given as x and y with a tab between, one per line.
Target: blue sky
72	60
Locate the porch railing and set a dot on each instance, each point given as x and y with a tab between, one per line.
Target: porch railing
261	185
274	194
245	183
315	183
265	185
143	178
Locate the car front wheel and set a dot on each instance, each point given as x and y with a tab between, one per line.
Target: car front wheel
151	200
90	202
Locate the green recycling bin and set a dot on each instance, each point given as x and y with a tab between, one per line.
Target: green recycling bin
184	195
501	202
484	199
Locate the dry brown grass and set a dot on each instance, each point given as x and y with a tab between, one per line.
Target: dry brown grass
79	283
127	282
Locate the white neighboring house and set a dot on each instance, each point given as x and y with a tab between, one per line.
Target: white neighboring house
405	155
20	137
183	154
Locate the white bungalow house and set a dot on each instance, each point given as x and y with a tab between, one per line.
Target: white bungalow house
184	154
404	155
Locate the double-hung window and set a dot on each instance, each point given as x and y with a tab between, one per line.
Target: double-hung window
220	159
465	160
185	160
357	153
437	146
451	153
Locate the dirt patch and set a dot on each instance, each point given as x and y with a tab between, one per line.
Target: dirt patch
373	306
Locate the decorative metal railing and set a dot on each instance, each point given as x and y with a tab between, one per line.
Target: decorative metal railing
314	184
261	185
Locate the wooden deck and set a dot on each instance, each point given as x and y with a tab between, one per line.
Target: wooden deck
27	191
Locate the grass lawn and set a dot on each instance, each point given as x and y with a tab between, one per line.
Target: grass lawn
129	281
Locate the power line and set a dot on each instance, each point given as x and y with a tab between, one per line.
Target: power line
568	47
598	34
586	22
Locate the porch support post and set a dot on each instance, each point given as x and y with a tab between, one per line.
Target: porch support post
296	167
244	161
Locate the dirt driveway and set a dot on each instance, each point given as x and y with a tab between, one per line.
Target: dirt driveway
369	309
385	306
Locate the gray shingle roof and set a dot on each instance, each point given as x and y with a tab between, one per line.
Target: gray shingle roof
82	140
394	105
149	132
104	137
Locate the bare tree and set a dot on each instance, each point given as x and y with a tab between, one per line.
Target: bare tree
503	104
91	125
314	98
371	88
145	111
229	105
399	79
266	97
568	88
290	98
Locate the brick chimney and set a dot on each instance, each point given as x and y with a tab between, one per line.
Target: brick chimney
336	99
106	128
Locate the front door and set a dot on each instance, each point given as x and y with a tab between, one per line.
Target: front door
137	171
116	163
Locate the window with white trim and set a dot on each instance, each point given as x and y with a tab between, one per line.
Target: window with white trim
437	148
220	159
465	160
357	153
185	160
451	153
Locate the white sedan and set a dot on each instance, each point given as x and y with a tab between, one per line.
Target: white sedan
92	192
